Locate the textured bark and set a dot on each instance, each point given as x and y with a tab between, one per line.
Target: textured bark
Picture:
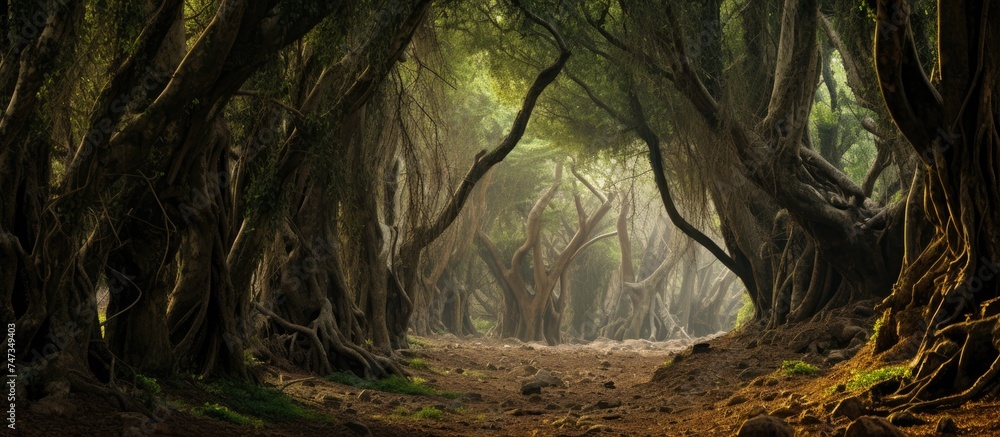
944	308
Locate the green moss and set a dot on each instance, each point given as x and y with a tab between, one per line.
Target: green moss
149	388
428	413
877	327
483	325
745	314
417	342
222	413
796	367
263	402
416	363
863	380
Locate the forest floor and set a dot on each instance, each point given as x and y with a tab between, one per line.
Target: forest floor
474	387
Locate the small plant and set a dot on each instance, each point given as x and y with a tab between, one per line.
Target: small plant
401	412
864	380
417	342
796	367
428	413
222	413
149	387
745	314
417	363
877	327
249	359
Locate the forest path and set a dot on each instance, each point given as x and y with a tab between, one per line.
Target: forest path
600	387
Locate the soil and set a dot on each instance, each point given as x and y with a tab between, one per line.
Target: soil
631	388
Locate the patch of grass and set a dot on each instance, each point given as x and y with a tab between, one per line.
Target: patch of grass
392	384
428	413
863	380
263	402
249	359
416	341
221	412
877	327
416	363
483	325
796	367
423	413
745	314
149	387
449	394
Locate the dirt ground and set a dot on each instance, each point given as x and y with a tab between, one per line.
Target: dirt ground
608	388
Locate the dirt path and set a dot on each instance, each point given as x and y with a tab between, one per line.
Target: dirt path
602	388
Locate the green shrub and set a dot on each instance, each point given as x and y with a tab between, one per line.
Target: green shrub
877	327
416	363
863	380
745	314
483	325
263	402
428	413
222	413
796	367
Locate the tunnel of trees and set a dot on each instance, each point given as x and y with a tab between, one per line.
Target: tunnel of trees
188	183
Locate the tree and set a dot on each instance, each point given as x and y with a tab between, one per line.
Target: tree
944	304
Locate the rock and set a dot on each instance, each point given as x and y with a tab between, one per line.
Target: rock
472	396
736	400
751	373
946	425
809	419
53	406
529	370
784	412
665	409
836	356
765	426
365	396
459	370
609	384
491	366
868	426
700	348
358	428
531	388
523	412
552	407
905	418
604	405
770	382
612	417
851	408
535	398
755	411
605	364
768	397
850	332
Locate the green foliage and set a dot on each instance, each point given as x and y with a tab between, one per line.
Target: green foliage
221	412
392	384
746	311
150	388
796	367
263	402
428	413
483	325
863	380
877	327
414	341
416	363
249	359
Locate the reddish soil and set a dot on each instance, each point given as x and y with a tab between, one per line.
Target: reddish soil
702	394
